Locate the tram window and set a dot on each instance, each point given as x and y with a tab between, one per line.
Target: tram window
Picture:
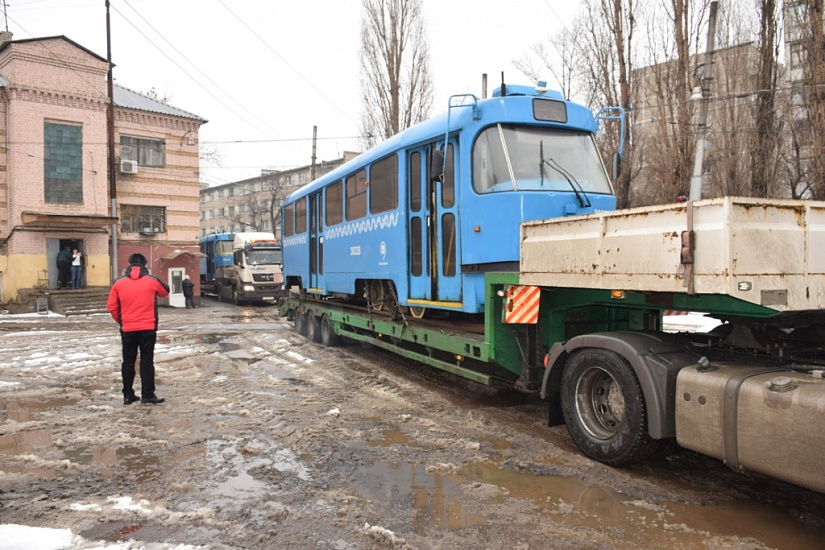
301	216
356	188
289	220
448	187
448	244
334	203
416	262
414	181
384	185
547	109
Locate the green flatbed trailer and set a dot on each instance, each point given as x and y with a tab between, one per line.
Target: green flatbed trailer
589	335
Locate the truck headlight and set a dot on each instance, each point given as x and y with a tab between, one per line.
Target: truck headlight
248	288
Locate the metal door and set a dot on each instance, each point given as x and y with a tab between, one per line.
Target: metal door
316	242
433	235
176	298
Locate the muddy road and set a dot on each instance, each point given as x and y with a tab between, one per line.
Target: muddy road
269	441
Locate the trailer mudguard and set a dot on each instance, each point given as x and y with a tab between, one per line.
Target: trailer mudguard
655	357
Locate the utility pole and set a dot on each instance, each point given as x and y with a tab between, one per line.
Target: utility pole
314	147
702	94
110	128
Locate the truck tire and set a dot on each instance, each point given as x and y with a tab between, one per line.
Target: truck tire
328	336
300	322
604	408
313	327
236	298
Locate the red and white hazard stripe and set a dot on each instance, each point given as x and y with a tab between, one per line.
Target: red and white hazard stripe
521	305
674	312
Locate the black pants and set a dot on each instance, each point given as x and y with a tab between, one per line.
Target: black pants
190	301
143	340
64	274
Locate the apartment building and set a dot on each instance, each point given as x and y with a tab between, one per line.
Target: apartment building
253	204
54	183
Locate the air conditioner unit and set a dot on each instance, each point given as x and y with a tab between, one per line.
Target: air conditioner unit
128	167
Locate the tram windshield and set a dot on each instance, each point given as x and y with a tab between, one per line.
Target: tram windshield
524	158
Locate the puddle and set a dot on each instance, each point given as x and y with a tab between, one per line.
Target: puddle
436	499
28	442
391	438
440	499
23	410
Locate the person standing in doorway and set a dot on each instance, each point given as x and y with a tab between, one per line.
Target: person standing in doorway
133	303
77	268
64	267
188	291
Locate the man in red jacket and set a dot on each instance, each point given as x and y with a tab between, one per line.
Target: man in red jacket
133	303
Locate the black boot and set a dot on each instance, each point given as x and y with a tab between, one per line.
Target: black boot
154	399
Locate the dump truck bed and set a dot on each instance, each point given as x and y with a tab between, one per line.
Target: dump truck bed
769	252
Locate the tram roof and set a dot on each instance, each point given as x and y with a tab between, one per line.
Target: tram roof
517	105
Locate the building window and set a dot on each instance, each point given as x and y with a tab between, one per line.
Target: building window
63	163
144	151
142	219
221	212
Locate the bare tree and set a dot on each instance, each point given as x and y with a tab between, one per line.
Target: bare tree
765	140
257	208
395	74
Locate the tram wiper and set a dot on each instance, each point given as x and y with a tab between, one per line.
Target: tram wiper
581	196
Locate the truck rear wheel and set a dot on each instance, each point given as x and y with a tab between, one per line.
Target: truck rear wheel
328	336
313	327
604	408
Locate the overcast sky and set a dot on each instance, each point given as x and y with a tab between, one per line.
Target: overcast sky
264	72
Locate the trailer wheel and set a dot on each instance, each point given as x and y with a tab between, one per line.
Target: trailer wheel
328	336
313	327
417	312
604	408
300	322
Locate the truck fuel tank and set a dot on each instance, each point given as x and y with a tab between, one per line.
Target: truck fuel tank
762	419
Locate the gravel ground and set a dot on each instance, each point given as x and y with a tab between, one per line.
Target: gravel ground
269	441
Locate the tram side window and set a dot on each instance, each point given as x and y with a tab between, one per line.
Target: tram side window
415	181
448	187
289	220
334	203
301	216
384	185
356	188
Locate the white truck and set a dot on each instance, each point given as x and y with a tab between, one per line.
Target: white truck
255	274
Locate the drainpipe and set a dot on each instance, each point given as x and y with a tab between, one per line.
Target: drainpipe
110	127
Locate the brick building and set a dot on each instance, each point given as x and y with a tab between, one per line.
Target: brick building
54	184
247	205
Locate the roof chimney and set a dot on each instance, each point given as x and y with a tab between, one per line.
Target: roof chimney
5	36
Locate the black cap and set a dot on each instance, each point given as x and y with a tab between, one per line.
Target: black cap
137	259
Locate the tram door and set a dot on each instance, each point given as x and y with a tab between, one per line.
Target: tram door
433	213
316	241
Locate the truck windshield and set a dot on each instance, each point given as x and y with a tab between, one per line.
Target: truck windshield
267	256
511	158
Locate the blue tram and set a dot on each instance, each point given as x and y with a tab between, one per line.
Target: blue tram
216	250
417	220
